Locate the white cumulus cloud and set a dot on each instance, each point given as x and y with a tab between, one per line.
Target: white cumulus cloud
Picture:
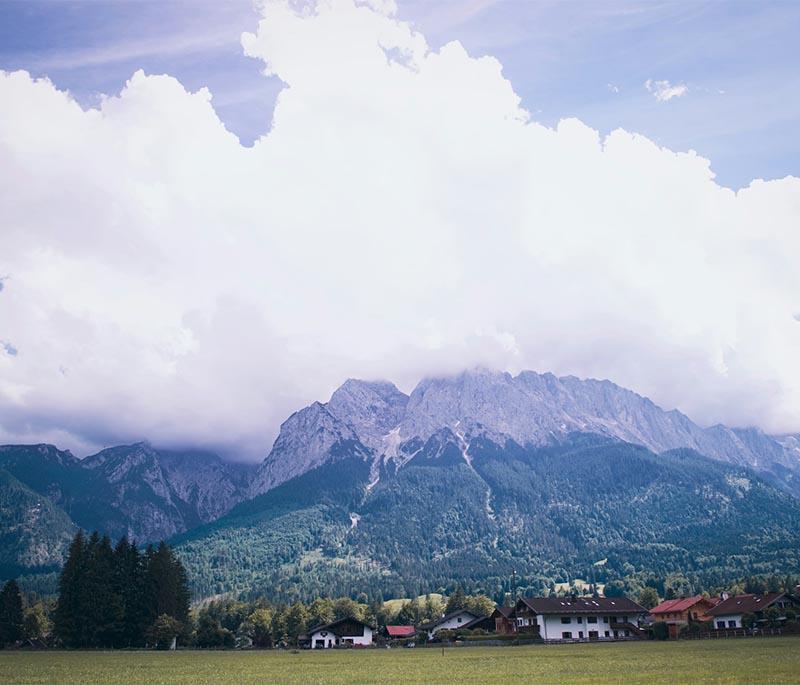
404	216
663	91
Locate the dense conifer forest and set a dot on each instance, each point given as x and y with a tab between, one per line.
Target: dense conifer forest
120	596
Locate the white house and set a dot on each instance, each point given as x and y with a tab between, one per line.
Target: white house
345	631
451	621
730	611
579	618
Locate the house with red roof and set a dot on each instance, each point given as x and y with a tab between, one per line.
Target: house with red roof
680	612
401	632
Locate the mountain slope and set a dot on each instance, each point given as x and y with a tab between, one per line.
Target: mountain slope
307	439
161	493
473	512
132	490
33	531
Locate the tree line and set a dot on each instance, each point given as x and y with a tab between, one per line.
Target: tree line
260	623
120	596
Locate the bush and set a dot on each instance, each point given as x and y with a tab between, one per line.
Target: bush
164	632
659	631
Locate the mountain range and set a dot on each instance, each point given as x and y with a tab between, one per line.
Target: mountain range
468	478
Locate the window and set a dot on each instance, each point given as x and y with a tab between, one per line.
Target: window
731	624
459	619
580	634
566	619
605	619
608	634
580	619
566	635
720	624
591	619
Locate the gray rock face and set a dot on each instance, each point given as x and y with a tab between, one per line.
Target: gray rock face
306	440
370	409
161	493
530	408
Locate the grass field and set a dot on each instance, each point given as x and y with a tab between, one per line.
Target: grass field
765	660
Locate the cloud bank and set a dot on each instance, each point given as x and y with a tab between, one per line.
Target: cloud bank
404	216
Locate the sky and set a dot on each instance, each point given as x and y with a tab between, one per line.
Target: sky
214	213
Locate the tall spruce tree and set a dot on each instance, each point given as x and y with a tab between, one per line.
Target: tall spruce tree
11	615
69	623
168	584
105	611
130	585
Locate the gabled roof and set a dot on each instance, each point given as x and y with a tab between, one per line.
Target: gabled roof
504	611
401	631
474	623
333	627
745	604
582	605
670	606
445	618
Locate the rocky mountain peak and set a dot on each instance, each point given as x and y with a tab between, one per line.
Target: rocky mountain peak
532	409
305	441
372	409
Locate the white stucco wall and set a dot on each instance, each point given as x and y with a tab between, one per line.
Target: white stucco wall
551	627
453	623
737	618
330	640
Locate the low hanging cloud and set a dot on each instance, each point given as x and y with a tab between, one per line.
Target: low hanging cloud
404	216
664	91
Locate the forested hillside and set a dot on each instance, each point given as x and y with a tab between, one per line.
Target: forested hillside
33	531
590	507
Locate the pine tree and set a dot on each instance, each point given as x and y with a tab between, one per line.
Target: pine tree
68	619
167	583
130	584
456	601
101	604
11	615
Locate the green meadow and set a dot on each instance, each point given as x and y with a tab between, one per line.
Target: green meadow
764	660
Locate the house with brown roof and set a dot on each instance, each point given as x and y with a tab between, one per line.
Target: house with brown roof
580	618
504	621
344	632
677	613
730	612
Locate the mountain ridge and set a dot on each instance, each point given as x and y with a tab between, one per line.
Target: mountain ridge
371	442
530	408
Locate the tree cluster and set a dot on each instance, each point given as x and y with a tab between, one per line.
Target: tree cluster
119	596
12	617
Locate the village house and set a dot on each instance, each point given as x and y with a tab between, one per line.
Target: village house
344	632
730	612
579	618
455	620
504	622
677	613
401	632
